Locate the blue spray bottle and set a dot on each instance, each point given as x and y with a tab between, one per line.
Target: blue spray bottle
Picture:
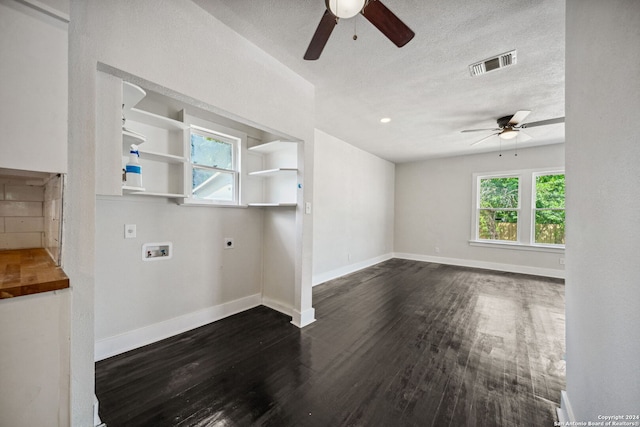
133	169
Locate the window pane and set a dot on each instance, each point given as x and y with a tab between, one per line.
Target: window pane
550	227
550	191
498	225
499	193
208	151
213	185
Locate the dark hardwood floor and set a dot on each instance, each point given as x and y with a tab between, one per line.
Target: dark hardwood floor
402	343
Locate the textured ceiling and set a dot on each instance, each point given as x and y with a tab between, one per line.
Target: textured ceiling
425	87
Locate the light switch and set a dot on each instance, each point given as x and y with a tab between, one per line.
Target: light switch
307	208
129	231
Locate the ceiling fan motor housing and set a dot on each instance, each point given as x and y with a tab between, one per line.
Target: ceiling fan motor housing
503	121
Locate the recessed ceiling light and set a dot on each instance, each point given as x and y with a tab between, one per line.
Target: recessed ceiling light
385	120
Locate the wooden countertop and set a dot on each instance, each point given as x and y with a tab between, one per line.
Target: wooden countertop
29	271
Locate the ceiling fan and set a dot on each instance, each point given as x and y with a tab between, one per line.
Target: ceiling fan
510	126
375	12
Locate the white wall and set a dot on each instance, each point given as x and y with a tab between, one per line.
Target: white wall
34	360
353	208
132	294
603	208
279	256
433	210
158	42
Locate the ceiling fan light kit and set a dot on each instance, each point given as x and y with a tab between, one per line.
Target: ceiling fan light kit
345	8
508	133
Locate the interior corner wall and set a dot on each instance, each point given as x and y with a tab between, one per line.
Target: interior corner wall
603	208
279	257
165	43
433	210
353	208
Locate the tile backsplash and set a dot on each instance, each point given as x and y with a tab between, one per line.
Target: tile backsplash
21	214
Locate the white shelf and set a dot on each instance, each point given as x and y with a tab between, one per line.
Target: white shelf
273	172
267	205
271	147
151	119
130	137
161	157
151	194
128	188
131	95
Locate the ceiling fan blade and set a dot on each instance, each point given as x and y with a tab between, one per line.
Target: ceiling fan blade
485	138
543	122
518	117
321	36
388	23
479	130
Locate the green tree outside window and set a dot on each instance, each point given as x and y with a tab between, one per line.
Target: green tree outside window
498	215
549	212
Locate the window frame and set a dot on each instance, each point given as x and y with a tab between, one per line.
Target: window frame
534	209
526	214
236	143
518	209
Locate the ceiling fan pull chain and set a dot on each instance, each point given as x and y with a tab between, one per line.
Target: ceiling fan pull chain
355	28
516	154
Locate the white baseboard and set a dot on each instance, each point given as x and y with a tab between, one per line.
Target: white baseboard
277	306
565	413
347	269
158	331
510	268
97	422
304	318
300	319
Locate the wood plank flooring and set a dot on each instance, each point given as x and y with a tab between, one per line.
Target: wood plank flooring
402	343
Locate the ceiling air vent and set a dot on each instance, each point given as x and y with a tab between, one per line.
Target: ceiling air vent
494	63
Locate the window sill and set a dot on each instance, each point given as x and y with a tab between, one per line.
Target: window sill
516	246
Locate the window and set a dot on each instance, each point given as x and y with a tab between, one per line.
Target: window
548	211
523	209
498	208
214	167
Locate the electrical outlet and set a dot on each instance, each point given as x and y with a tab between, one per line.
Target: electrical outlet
437	250
561	261
228	243
129	231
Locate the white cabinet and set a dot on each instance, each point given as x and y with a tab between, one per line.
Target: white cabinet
33	89
277	175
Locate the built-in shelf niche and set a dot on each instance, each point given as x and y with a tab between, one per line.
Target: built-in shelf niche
32	211
278	173
159	126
